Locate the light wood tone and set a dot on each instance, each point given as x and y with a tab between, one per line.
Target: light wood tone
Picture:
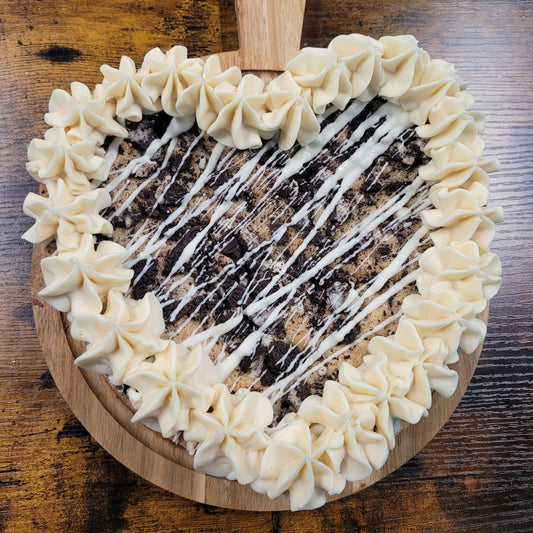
269	35
106	415
475	475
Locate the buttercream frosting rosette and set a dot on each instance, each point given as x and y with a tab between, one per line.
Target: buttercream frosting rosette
348	431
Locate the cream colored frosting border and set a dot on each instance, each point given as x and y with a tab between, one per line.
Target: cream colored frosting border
348	431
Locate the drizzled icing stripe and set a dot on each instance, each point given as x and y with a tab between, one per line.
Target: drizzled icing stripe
386	124
296	163
356	313
393	67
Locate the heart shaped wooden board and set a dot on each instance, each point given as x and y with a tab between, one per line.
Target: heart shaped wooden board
269	35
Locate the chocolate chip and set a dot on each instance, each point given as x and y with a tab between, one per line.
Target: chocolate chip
235	247
267	378
279	356
245	364
148	281
174	194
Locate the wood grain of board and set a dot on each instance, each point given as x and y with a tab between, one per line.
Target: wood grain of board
106	415
475	475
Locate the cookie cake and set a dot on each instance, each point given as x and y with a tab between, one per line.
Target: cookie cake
278	275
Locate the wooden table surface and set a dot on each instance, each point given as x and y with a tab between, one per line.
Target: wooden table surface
475	475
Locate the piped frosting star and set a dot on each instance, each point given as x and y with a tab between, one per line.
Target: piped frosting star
239	120
362	448
231	435
460	268
122	338
439	315
123	85
66	217
449	122
459	215
403	62
77	281
163	80
290	112
362	57
373	386
200	98
179	380
455	166
423	362
327	77
54	158
291	463
83	116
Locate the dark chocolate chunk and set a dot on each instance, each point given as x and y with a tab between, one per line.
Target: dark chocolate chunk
148	280
160	212
287	189
222	314
174	194
244	328
372	186
245	364
384	250
127	219
284	239
217	180
279	356
267	378
169	309
302	390
185	238
142	134
234	296
352	334
235	247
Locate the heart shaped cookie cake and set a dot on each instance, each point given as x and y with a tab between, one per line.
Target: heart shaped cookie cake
278	276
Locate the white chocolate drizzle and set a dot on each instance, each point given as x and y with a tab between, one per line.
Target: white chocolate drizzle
347	430
278	299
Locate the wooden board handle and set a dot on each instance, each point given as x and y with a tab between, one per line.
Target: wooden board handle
269	33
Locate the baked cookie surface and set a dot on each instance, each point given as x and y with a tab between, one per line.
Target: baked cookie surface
291	269
272	278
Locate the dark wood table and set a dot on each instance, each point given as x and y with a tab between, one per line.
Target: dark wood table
475	475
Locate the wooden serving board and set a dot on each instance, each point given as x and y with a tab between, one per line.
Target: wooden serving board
106	415
269	35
